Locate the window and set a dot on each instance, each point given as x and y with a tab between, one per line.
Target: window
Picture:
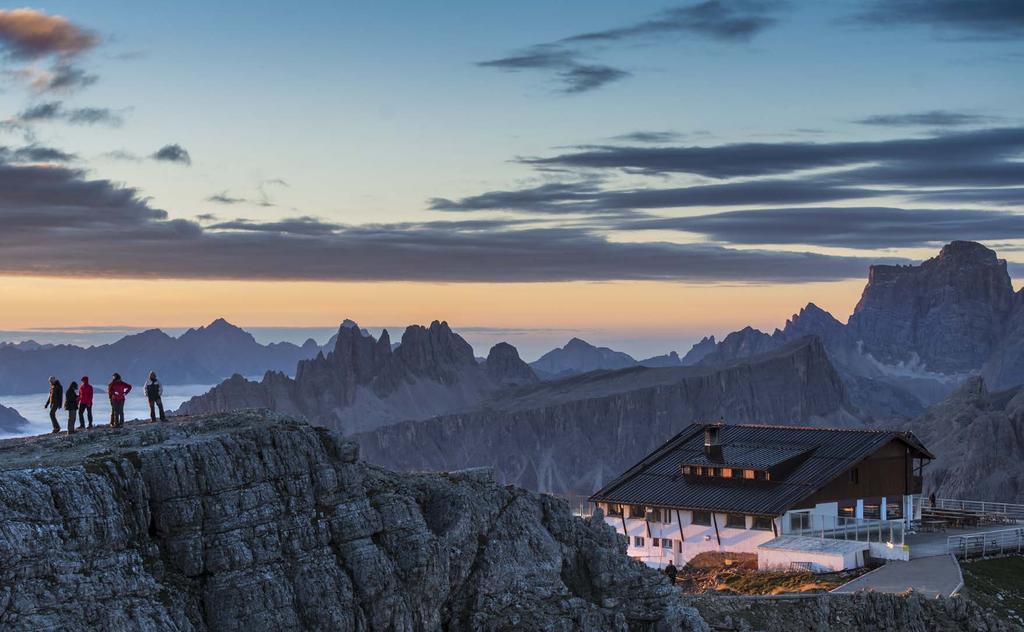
653	514
761	475
762	523
894	507
702	518
656	542
873	510
855	476
686	470
666	544
726	472
713	471
736	521
636	511
800	521
614	509
748	474
638	541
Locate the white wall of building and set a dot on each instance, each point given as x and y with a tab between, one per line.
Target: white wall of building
693	538
817	561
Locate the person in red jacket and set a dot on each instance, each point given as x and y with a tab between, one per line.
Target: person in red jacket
117	390
84	402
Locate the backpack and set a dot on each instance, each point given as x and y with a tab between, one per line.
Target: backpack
153	390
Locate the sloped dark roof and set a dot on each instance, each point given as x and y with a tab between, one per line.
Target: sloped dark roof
658	481
742	455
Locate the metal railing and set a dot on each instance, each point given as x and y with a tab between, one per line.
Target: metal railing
986	543
1010	512
578	504
846	528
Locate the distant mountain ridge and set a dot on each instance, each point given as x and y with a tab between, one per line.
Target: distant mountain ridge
573	435
201	355
579	356
366	382
10	420
917	332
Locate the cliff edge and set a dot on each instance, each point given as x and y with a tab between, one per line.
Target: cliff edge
255	521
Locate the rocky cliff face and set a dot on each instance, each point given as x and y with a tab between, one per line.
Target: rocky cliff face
947	314
364	383
11	420
978	439
255	522
574	435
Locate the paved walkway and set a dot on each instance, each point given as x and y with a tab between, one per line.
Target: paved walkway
932	576
929	544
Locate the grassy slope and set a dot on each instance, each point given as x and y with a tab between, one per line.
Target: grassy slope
997	584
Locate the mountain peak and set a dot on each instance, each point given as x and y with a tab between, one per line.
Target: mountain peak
221	323
968	252
505	367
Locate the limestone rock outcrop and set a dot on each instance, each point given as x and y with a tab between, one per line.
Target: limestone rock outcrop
364	383
947	314
254	522
978	439
575	434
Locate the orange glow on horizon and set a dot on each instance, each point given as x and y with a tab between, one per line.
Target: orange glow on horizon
648	306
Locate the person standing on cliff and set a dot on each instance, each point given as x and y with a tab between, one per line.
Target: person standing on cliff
671	572
85	402
155	393
71	405
55	401
117	390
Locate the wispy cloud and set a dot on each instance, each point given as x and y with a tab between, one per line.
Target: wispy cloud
931	118
31	35
173	153
848	227
721	20
55	220
989	19
730	20
56	111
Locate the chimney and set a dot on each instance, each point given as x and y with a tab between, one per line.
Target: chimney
712	440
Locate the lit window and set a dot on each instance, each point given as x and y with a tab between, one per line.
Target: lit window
736	521
686	469
638	541
726	472
702	518
748	474
762	523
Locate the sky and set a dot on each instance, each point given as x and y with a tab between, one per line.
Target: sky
641	173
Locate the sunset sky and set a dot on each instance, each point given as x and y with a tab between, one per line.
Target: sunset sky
641	173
